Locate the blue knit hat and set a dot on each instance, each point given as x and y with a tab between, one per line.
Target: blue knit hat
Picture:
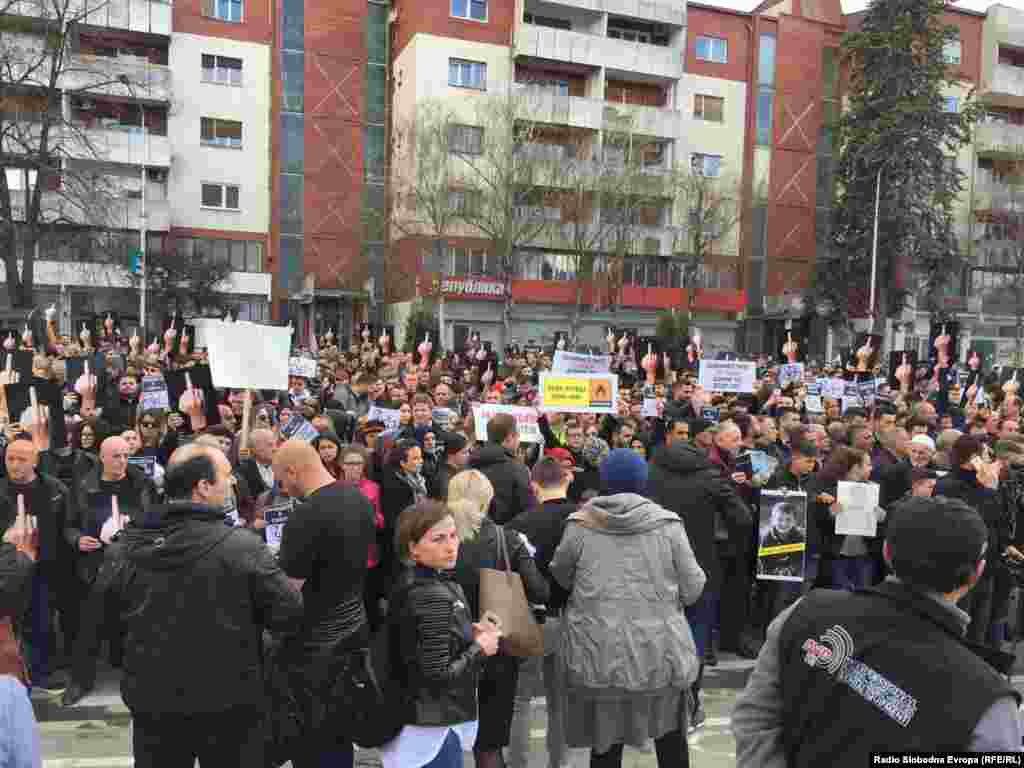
624	471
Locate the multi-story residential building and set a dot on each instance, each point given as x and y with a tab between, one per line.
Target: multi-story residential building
583	75
247	134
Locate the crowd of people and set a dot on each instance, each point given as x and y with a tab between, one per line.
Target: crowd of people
223	562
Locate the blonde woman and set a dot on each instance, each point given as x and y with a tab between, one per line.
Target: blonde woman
469	497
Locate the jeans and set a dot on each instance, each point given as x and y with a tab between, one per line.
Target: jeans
343	757
232	739
531	672
853	573
40	634
702	616
672	751
784	593
450	755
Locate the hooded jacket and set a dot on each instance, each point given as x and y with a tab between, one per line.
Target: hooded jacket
628	566
510	478
193	597
684	480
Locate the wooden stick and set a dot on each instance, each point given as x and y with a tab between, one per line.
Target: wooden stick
246	416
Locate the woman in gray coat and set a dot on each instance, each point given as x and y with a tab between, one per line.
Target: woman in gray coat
627	647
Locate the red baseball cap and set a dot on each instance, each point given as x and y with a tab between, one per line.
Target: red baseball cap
561	454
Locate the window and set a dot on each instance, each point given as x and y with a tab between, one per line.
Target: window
765	109
222	69
470	9
952	104
470	261
630	35
224	10
546	21
467	74
766	61
241	255
220	133
223	196
713	49
293	90
710	108
952	52
706	165
465	139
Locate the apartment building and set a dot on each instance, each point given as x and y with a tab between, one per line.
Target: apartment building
583	74
249	133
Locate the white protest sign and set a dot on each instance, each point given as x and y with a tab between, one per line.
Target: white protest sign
154	393
391	418
302	366
792	372
526	421
834	389
859	502
727	375
572	362
248	356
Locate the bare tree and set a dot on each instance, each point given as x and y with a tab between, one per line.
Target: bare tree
57	188
190	284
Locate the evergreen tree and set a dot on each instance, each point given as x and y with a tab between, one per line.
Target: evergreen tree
897	122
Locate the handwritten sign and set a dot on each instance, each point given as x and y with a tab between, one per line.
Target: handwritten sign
790	374
572	362
727	375
579	393
276	517
302	366
526	421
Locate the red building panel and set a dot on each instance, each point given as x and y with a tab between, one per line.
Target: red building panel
790	234
337	261
728	25
433	17
792	179
789	278
255	27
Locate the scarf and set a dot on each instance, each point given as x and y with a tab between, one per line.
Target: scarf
415	482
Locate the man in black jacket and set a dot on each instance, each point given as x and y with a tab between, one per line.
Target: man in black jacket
975	481
684	480
193	596
46	499
456	456
509	476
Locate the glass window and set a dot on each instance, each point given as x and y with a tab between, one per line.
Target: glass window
713	49
231	197
292	25
237	249
466	139
706	165
292	263
212	195
375	159
711	108
291	204
470	9
830	71
254	257
220	133
460	261
293	143
477	262
467	74
224	70
765	108
224	10
220	252
952	52
374	212
292	81
376	94
766	60
952	104
377	34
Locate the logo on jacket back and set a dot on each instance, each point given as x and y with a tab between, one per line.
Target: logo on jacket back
833	652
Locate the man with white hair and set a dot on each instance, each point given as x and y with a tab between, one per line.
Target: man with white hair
258	470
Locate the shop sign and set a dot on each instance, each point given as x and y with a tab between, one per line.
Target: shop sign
473	288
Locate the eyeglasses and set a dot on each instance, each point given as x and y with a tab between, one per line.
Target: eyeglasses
353	464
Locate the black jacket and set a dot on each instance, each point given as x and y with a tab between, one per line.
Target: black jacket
963	484
439	662
510	478
438	483
193	597
682	479
251	473
49	503
544	525
15	573
82	515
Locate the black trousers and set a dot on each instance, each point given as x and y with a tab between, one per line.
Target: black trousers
231	739
734	598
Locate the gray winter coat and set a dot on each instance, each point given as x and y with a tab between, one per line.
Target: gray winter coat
629	567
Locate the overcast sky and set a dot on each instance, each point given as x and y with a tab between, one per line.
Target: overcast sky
852	6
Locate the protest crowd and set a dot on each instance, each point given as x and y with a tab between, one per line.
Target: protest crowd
394	550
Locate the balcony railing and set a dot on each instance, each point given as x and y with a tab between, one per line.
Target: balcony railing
547	105
1007	81
649	10
151	16
643	120
995	138
597	51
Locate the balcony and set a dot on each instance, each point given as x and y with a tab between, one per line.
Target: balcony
648	10
1007	86
993	193
149	16
596	51
995	138
548	105
126	146
645	121
122	76
114	213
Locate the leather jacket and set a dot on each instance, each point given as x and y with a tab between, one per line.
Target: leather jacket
440	662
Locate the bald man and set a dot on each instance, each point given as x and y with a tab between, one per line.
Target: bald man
324	547
46	498
257	469
193	596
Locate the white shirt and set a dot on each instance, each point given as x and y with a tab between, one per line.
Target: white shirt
266	474
417	745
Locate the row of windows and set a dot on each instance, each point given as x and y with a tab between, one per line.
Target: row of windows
240	255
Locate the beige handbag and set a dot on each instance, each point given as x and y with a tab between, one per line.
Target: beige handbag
502	593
